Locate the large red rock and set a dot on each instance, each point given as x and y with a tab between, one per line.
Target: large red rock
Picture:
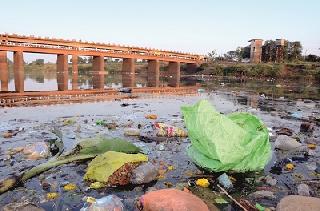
299	203
170	200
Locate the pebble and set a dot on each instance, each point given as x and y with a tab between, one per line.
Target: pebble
270	180
303	190
296	202
306	127
263	194
287	143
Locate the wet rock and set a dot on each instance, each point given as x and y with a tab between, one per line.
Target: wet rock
225	181
270	180
21	207
144	173
285	131
7	135
131	132
295	202
171	199
303	190
263	194
287	143
306	127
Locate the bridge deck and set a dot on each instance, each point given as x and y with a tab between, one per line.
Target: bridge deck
58	46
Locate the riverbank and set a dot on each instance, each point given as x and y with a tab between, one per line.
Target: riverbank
79	121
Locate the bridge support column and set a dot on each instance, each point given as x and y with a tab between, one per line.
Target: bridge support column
18	69
4	72
174	74
153	73
74	72
62	72
98	72
128	72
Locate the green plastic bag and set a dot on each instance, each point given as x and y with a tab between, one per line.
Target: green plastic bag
238	142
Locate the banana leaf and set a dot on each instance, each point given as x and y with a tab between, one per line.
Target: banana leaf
87	149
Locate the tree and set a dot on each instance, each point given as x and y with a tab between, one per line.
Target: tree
212	55
269	51
232	55
243	52
312	58
294	51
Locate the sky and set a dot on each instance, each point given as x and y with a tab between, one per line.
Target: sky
195	26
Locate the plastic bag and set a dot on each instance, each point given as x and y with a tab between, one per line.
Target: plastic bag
239	141
144	173
107	203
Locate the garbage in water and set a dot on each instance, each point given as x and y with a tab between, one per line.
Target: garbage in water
171	199
104	165
144	173
289	167
169	130
36	151
203	183
70	187
238	141
151	116
86	149
107	203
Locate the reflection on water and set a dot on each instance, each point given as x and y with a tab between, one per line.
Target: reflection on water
46	80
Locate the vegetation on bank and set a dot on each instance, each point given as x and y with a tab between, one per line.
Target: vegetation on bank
264	70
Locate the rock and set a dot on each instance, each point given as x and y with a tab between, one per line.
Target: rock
287	143
144	173
21	207
7	135
306	127
107	203
303	190
171	199
270	180
285	131
225	181
295	202
131	132
263	194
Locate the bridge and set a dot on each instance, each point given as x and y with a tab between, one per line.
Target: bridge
63	48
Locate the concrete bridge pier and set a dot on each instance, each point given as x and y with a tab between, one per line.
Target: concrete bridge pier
62	72
174	74
18	70
128	72
98	72
153	73
75	72
4	72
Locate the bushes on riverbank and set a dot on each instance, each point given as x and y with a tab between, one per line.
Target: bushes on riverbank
265	70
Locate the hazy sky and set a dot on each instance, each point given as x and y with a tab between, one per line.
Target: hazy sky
196	26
